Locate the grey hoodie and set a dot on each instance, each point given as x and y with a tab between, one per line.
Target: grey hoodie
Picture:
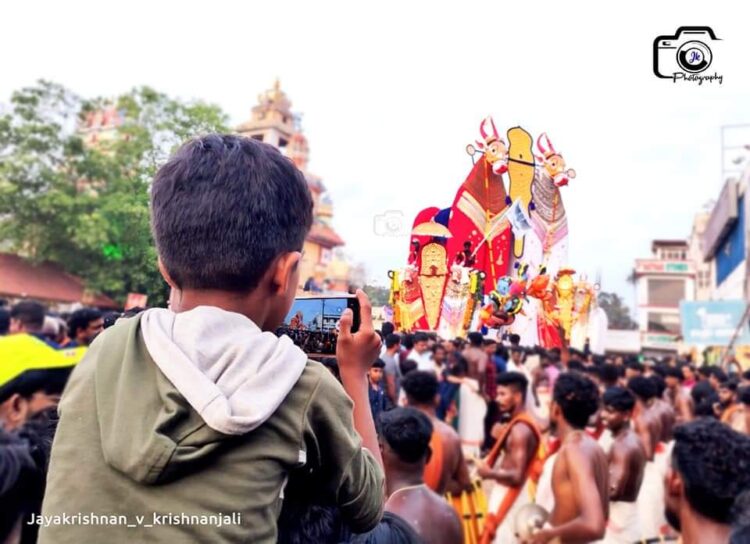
184	428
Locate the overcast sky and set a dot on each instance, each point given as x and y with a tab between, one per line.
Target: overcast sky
392	92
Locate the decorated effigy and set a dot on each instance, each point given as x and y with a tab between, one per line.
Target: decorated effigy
496	259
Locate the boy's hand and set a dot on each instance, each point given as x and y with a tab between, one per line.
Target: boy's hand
356	352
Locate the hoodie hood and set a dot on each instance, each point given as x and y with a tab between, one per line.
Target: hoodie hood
172	388
233	374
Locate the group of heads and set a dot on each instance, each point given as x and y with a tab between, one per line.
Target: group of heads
30	317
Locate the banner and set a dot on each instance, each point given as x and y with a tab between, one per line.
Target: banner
713	323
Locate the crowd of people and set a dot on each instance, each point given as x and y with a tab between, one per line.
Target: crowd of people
196	423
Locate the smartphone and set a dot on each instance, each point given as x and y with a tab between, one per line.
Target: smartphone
313	322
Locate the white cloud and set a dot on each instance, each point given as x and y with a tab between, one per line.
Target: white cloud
392	92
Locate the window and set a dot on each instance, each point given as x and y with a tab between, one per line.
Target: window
666	293
664	322
258	137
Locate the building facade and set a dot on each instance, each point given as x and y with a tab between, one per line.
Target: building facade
662	282
273	122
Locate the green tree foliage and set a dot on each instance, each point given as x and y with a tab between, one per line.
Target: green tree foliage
378	295
84	205
618	314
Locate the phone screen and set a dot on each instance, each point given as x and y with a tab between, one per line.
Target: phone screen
313	322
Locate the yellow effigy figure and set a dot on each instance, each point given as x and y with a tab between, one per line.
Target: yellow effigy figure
565	291
521	172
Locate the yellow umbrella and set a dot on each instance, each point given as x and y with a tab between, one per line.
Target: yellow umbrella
431	228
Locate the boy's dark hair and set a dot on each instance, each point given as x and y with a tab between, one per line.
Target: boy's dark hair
460	367
501	351
577	396
746	375
80	319
476	339
705	370
642	387
378	364
30	314
438	346
705	407
4	321
593	371
392	340
407	431
619	398
223	208
387	328
610	374
515	380
514	339
420	386
408	341
714	463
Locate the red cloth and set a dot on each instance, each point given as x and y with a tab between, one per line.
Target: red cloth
490	383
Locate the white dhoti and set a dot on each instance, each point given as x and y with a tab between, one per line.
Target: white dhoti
471	412
623	526
544	496
651	500
506	532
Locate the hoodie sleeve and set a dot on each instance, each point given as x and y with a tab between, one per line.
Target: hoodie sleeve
355	477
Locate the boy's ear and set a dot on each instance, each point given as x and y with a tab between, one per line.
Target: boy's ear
165	274
286	265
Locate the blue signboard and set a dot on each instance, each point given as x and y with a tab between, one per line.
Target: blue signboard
712	323
731	251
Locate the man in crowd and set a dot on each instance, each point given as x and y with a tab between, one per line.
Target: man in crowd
731	408
405	435
83	326
378	397
675	394
627	462
477	359
633	369
27	317
647	423
446	470
579	470
392	371
709	469
664	408
688	378
200	408
421	353
514	463
439	357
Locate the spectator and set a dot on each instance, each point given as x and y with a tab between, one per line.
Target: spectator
421	354
710	469
83	326
392	367
197	408
28	318
378	398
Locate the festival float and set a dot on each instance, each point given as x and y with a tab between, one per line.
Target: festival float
496	260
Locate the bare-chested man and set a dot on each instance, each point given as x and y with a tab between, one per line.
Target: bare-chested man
514	463
627	461
647	423
405	443
476	358
664	408
446	470
675	394
580	470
